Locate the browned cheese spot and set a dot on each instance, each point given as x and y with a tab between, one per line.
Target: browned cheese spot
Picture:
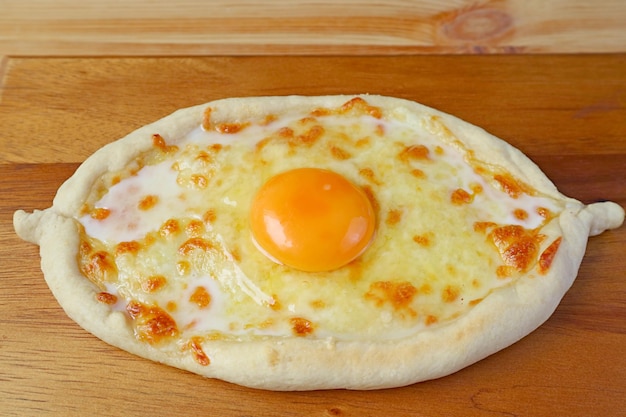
445	131
275	304
265	324
85	209
450	293
195	344
100	213
200	297
159	143
476	188
152	324
260	145
153	283
460	197
482	227
425	289
170	227
544	212
286	133
510	185
215	147
106	298
311	136
97	266
339	154
360	106
148	202
193	244
204	157
199	180
131	247
369	175
475	302
209	216
518	247
418	173
321	111
393	217
363	142
547	256
505	271
194	228
149	239
231	128
301	327
234	252
269	119
307	120
206	119
414	153
422	240
183	268
399	295
520	214
134	171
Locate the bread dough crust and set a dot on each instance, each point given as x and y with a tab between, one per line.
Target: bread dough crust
294	363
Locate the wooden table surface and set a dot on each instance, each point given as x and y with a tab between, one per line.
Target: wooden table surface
75	75
567	112
339	27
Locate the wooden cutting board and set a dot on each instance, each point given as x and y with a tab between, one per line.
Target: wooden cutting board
568	113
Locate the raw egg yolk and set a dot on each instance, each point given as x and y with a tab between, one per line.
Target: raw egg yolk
311	219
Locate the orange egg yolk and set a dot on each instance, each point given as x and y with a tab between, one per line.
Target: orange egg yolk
311	219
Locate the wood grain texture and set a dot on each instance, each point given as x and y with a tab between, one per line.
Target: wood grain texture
89	102
567	112
245	27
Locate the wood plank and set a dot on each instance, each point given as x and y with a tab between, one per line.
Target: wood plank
571	123
244	27
544	105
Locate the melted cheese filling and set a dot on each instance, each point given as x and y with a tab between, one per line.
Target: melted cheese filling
171	234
